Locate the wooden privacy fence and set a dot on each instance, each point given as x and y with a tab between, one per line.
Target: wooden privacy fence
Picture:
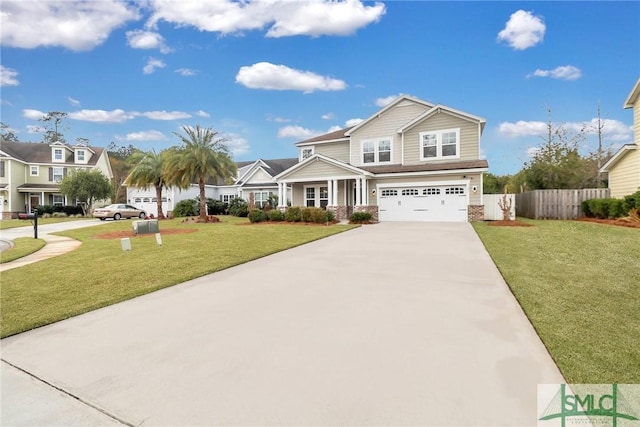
492	210
556	204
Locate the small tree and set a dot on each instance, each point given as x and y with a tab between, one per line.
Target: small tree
55	123
7	134
505	203
86	187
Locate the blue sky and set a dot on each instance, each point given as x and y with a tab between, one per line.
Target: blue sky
269	73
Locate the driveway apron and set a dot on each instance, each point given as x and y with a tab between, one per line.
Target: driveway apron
388	324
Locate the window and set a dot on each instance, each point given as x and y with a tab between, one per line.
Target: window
454	190
226	198
80	155
387	193
58	200
410	192
137	200
306	153
57	154
324	197
430	191
261	198
146	200
35	171
376	151
154	200
310	196
2	169
440	144
58	174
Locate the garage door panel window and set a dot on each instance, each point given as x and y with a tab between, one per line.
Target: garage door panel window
376	151
410	192
442	144
430	191
389	193
454	190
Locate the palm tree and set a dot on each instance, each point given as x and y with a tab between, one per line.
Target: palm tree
149	170
203	156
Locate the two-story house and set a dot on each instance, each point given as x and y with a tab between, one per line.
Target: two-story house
30	173
624	166
410	161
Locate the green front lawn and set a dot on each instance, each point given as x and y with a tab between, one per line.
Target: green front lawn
100	273
579	284
22	246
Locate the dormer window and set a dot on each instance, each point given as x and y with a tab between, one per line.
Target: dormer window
80	155
58	155
306	152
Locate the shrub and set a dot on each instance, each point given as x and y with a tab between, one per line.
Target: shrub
631	201
257	215
216	207
275	215
69	210
238	207
604	208
360	217
293	214
187	207
616	209
306	214
44	209
318	215
330	216
586	209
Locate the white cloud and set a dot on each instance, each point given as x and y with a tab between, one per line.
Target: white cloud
186	72
8	76
140	39
102	116
284	17
165	115
523	30
353	122
276	119
383	102
33	114
74	24
297	132
523	128
204	114
152	64
73	101
334	128
237	145
328	116
563	72
147	135
264	75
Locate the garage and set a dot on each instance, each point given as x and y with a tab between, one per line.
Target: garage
423	203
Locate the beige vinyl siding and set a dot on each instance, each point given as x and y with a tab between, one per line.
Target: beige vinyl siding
17	172
469	137
385	126
260	176
636	121
318	169
624	177
474	198
335	150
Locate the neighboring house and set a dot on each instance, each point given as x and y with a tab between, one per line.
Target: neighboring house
624	167
253	177
30	173
411	161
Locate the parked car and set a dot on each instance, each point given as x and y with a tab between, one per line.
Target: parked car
118	211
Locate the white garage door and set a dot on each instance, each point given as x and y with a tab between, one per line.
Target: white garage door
433	203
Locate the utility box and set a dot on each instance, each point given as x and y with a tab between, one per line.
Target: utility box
147	226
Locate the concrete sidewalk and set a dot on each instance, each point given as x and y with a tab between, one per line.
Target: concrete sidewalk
390	324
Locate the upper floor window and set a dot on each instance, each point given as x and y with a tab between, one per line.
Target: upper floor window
1	168
306	152
80	155
57	174
35	170
441	144
376	151
58	154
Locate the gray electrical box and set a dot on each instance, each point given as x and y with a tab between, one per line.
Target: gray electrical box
146	226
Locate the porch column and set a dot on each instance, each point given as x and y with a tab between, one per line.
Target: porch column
279	194
365	192
346	192
42	202
358	192
330	191
334	186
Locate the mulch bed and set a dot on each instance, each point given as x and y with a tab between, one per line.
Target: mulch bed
322	224
618	222
129	233
512	223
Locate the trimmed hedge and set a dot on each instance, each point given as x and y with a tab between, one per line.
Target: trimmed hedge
238	207
604	208
275	215
187	207
67	210
360	217
293	214
257	215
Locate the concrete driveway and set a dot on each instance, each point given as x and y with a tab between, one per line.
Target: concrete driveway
389	324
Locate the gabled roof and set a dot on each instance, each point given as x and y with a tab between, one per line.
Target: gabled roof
633	96
338	135
439	108
388	107
329	160
272	167
627	148
35	152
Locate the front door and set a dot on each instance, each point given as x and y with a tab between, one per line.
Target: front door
34	201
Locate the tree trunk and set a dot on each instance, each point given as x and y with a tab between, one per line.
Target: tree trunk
159	202
203	201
